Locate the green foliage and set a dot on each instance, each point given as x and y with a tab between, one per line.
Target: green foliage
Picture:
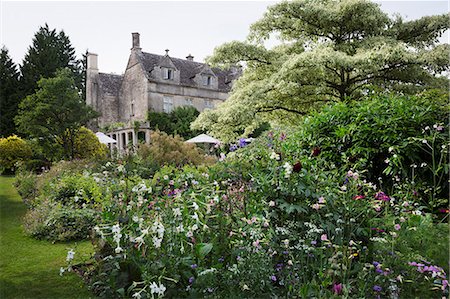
9	99
168	150
12	150
54	114
87	145
332	51
58	223
176	122
49	52
383	138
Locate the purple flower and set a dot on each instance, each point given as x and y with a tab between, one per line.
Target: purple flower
378	270
313	242
191	279
233	147
273	278
193	266
377	288
282	136
242	142
221	259
375	264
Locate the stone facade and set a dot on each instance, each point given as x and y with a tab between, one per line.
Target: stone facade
152	82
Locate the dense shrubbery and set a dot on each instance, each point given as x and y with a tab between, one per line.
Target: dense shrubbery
300	213
176	122
87	145
167	150
391	139
13	149
62	201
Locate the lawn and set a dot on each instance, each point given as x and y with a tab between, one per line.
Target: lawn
29	268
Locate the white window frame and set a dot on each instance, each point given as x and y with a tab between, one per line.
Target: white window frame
167	104
168	74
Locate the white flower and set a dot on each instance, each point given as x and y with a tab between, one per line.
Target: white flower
166	177
194	227
271	203
189	234
115	229
387	161
343	188
287	170
180	228
135	218
290	263
195	216
423	164
137	295
274	156
145	231
195	205
390	149
155	289
156	242
139	240
117	237
118	249
424	141
245	287
176	212
61	271
70	255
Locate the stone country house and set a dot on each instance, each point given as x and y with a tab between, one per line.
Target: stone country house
151	82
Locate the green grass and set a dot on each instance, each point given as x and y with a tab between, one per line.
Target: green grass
29	268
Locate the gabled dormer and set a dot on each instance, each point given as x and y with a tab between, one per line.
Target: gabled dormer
165	70
206	78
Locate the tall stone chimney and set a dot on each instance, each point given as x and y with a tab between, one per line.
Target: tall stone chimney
190	57
136	42
92	81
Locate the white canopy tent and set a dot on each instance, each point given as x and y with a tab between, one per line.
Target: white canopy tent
104	138
203	138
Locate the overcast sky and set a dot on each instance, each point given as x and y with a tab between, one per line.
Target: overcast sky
186	27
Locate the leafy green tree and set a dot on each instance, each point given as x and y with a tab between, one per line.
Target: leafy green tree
50	51
330	51
54	114
9	99
176	122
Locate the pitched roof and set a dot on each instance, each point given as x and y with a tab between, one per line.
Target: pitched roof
188	69
110	83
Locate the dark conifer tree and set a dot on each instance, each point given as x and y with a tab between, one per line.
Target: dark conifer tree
9	97
50	51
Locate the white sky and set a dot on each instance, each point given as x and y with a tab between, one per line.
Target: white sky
105	27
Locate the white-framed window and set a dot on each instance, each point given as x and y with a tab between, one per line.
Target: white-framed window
209	104
207	80
168	74
188	102
167	104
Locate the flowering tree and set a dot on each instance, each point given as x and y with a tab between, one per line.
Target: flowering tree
332	51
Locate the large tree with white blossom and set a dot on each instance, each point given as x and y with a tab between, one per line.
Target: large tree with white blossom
330	51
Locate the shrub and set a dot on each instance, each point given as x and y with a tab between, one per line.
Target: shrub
87	145
12	150
168	150
54	222
176	122
26	186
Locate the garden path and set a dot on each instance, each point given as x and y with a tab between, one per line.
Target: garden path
29	268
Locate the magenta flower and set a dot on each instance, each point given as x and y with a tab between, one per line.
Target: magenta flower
382	196
397	226
337	288
324	237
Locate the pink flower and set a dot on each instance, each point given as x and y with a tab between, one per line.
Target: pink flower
321	200
324	237
397	226
316	206
337	288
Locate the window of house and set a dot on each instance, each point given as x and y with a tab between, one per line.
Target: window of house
132	109
168	74
167	104
207	80
188	102
209	104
